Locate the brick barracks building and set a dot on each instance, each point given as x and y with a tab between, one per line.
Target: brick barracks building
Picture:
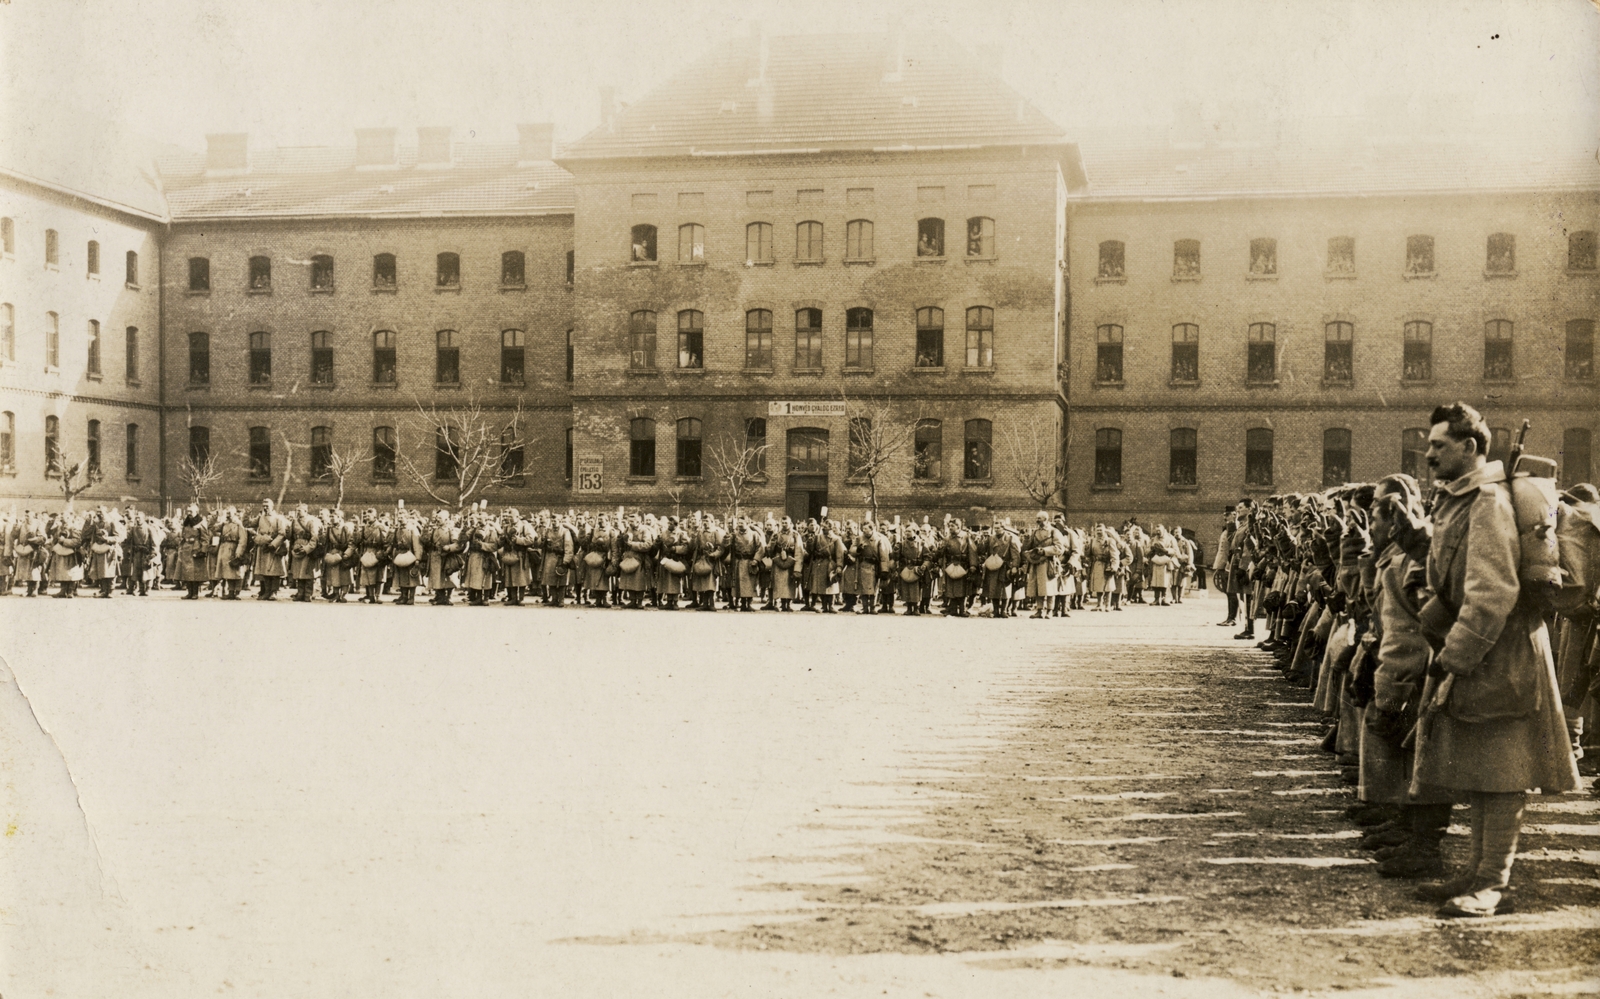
879	274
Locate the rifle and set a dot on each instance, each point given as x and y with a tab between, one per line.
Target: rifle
1517	447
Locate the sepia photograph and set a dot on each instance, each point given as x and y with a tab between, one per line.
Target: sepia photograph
529	345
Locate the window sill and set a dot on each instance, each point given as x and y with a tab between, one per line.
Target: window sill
1183	383
1490	275
1339	383
8	472
447	289
259	386
1097	488
1116	384
383	385
1579	380
1110	280
854	371
757	371
1258	488
1339	275
927	369
447	385
810	263
53	267
644	263
761	263
258	291
860	262
688	480
691	263
1416	382
982	259
811	372
1591	272
758	479
513	287
320	386
384	289
1261	384
929	261
926	483
260	478
198	293
321	291
1176	278
1175	487
198	387
1500	381
1419	275
978	370
640	480
92	376
978	483
517	385
382	481
92	276
132	382
1261	277
689	371
644	372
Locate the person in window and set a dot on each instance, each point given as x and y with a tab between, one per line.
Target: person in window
1262	263
260	280
974	239
1417	262
641	250
926	247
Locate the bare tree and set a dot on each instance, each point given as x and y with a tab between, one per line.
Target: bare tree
475	449
878	438
734	463
68	470
288	468
1033	455
340	466
199	475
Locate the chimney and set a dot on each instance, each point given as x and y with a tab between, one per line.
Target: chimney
608	105
375	147
433	146
228	151
536	143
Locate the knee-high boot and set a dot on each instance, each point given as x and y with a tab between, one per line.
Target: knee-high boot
1500	816
1443	891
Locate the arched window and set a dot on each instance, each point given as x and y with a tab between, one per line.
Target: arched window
199	358
383	357
52	445
644	243
1108	355
930	237
1498	365
857	340
1580	251
1335	457
691	243
980	337
93	253
384	272
977	452
260	453
446	358
1182	457
1112	259
261	358
8	332
758	243
52	341
1338	358
321	451
927	450
513	269
808	242
1417	364
322	358
689	448
1263	257
1414	456
260	273
200	446
8	441
1419	256
1186	258
691	339
1261	358
92	448
858	240
199	274
1107	457
511	357
1185	353
92	366
322	272
447	270
1258	457
930	337
1580	349
131	267
1576	457
808	340
384	454
980	237
642	341
642	447
130	355
758	339
1502	254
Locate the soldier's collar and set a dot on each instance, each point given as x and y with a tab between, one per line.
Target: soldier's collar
1493	471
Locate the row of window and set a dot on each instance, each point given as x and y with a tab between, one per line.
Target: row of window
55	457
385	368
1338	359
809	244
385	272
52	252
1500	256
808	339
1337	444
94	349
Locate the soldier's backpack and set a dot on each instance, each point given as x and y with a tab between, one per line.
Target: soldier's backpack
1559	544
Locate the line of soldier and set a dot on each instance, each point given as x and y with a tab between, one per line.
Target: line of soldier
601	559
1448	670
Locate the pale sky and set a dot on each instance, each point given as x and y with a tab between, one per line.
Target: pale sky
307	72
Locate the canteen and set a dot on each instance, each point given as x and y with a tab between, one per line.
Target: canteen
511	558
994	563
673	566
24	549
368	559
332	558
99	548
955	571
594	560
405	560
702	567
64	550
630	564
908	574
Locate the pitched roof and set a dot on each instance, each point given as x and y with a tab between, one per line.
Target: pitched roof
484	179
95	160
802	93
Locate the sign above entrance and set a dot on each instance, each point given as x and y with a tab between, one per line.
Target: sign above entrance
590	474
806	408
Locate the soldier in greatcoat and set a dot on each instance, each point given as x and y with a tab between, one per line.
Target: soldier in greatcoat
745	547
442	545
787	552
1493	728
910	568
824	560
269	545
231	542
305	533
958	562
33	555
405	546
518	554
66	555
1040	548
136	551
636	547
373	541
707	548
482	541
558	549
194	541
339	554
599	553
106	536
1001	554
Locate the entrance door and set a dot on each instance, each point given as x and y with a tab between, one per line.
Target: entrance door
808	473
